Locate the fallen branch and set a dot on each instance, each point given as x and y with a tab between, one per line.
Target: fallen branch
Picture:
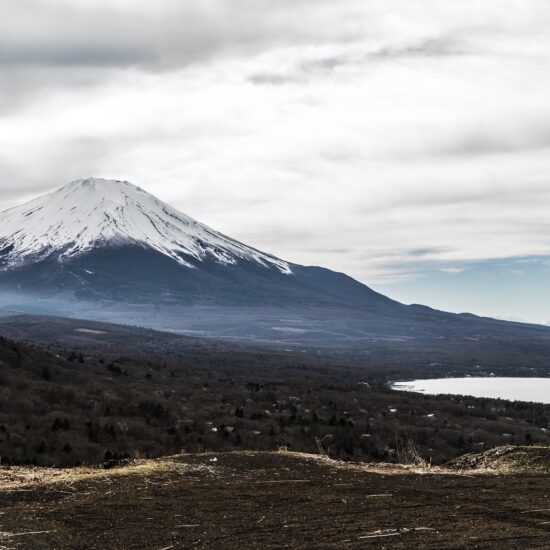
285	481
381	535
27	533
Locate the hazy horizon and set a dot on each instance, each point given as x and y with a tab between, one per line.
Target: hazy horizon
405	145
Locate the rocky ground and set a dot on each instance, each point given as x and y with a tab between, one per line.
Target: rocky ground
271	500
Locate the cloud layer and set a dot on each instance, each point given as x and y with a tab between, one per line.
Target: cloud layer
388	139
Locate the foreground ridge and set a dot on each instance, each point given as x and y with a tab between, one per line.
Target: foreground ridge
278	500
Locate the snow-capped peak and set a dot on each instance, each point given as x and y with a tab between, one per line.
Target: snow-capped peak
92	212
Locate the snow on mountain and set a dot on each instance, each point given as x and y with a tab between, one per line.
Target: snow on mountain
93	212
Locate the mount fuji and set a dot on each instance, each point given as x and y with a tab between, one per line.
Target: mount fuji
106	240
108	250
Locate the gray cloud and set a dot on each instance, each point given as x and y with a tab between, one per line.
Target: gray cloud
272	79
46	45
174	34
321	67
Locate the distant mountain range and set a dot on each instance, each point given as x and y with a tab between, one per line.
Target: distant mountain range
108	250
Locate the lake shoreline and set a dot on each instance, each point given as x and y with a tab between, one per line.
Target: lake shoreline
510	388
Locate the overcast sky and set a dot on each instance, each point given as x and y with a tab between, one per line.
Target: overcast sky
405	143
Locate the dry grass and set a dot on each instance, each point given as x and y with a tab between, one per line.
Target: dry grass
373	467
507	459
18	477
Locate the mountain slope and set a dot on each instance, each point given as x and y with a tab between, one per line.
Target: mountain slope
110	240
107	250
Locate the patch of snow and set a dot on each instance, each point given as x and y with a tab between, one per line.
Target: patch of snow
89	331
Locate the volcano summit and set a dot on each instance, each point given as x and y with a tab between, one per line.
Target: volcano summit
91	213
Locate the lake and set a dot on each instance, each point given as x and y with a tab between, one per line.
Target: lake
513	389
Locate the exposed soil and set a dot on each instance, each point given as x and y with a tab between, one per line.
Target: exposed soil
270	500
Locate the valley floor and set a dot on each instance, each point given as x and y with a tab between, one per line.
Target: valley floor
270	500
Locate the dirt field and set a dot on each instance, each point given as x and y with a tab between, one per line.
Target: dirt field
268	501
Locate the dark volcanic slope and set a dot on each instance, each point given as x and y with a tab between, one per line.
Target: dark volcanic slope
135	285
136	274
